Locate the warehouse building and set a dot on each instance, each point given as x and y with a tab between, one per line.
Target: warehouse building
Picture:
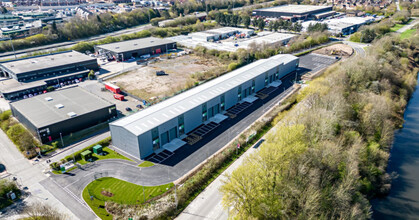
62	112
167	126
47	66
295	12
124	50
220	33
32	76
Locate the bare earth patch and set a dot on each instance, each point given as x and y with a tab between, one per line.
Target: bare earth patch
144	83
342	50
106	193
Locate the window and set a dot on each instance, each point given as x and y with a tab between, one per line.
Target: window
222	102
239	93
155	138
266	79
253	87
204	112
181	125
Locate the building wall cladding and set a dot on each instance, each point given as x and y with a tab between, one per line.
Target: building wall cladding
193	118
23	120
67	126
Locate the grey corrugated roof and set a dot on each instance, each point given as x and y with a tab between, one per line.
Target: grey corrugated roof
297	9
162	112
41	112
46	61
137	44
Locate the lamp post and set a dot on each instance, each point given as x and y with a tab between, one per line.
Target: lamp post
13	48
61	137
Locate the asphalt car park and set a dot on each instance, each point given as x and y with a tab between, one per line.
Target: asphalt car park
125	107
315	62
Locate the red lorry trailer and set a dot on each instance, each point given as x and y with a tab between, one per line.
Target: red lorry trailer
113	88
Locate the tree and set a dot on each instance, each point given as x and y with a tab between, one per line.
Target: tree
246	20
42	211
261	24
91	74
271	25
276	26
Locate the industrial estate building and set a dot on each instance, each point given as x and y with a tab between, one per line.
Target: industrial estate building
220	33
167	125
62	112
295	12
343	25
29	76
135	48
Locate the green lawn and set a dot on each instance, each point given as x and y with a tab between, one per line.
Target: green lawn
396	27
407	33
58	172
146	164
110	154
122	192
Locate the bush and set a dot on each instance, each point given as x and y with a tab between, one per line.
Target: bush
232	66
5	115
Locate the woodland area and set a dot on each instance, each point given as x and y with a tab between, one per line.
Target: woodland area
328	155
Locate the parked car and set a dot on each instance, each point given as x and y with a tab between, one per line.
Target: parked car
128	109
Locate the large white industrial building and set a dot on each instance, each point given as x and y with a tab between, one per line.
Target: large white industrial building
167	125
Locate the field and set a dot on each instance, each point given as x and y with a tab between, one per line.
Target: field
144	83
112	189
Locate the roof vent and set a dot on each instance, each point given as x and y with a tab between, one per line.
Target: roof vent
135	44
48	99
52	58
151	41
71	114
59	106
70	55
116	47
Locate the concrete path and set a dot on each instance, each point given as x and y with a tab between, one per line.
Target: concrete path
411	24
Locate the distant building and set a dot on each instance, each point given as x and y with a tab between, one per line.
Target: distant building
34	74
51	115
83	13
220	33
292	12
124	50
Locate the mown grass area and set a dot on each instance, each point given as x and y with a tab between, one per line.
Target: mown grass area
118	191
407	33
396	27
146	164
108	154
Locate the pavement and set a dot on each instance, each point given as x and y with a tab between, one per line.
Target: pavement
411	24
208	204
29	174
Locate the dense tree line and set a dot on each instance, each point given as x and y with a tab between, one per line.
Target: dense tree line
194	6
328	155
78	28
317	27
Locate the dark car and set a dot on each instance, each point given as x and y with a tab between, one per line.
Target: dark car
128	109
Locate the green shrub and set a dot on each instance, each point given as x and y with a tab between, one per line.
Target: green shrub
5	115
232	66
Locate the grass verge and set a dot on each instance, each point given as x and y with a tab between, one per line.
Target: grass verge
111	189
407	33
146	164
396	27
108	154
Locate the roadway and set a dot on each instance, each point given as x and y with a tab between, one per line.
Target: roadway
67	44
208	204
29	174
